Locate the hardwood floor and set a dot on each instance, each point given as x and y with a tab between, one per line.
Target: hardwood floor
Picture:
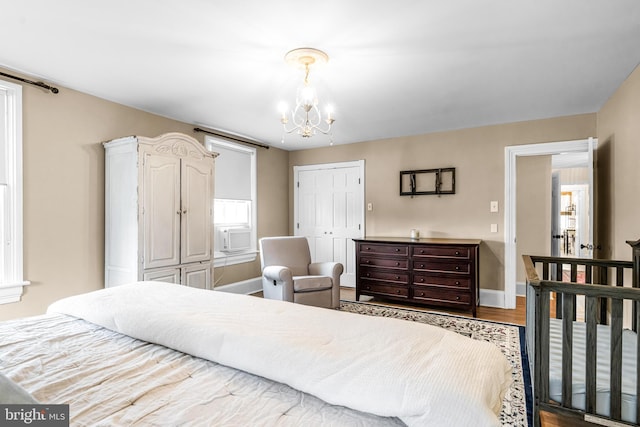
517	316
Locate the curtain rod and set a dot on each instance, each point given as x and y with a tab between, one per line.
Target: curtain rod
231	137
31	82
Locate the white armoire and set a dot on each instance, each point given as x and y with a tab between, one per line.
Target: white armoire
159	210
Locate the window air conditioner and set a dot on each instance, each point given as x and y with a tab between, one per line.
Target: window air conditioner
235	239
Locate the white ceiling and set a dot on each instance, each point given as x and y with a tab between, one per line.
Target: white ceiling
396	67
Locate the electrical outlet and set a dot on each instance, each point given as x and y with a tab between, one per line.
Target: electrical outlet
369	206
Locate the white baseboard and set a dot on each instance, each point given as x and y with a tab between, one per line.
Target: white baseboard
491	298
249	286
521	289
488	297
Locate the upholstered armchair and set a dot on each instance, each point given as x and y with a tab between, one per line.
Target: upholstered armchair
289	275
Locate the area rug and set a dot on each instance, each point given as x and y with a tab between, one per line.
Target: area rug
516	407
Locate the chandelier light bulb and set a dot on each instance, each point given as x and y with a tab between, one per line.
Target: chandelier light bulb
308	95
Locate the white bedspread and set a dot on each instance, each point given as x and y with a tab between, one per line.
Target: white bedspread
424	375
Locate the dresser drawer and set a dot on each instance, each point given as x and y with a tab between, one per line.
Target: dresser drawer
454	282
370	288
375	274
379	249
442	267
400	264
442	251
425	293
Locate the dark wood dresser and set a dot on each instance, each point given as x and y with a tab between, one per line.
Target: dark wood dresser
434	272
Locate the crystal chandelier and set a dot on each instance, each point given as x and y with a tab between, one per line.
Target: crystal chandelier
306	118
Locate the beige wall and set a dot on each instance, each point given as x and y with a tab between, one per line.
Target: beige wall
618	171
478	156
533	209
64	191
63	179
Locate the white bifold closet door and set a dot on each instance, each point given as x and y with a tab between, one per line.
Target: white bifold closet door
329	211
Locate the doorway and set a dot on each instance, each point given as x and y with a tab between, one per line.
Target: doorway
571	220
511	155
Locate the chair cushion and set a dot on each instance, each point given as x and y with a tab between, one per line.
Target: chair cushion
311	283
292	251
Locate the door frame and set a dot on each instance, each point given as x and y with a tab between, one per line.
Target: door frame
510	159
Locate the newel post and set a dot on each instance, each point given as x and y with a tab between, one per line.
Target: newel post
635	257
635	282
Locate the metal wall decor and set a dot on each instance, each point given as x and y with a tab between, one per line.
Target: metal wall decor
428	181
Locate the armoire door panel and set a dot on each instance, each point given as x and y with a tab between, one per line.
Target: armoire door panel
197	276
170	275
161	211
196	210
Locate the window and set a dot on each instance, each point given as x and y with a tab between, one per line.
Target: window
234	204
11	274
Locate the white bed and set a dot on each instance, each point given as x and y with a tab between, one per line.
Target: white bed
154	353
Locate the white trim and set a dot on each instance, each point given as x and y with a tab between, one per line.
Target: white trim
12	282
521	289
510	158
249	286
491	298
12	292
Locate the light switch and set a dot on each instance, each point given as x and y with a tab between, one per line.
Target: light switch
494	206
369	206
494	228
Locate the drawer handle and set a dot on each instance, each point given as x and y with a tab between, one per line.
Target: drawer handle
367	262
368	275
368	248
398	291
457	252
367	287
421	251
458	298
457	283
397	264
457	267
397	277
421	294
397	249
421	265
422	279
